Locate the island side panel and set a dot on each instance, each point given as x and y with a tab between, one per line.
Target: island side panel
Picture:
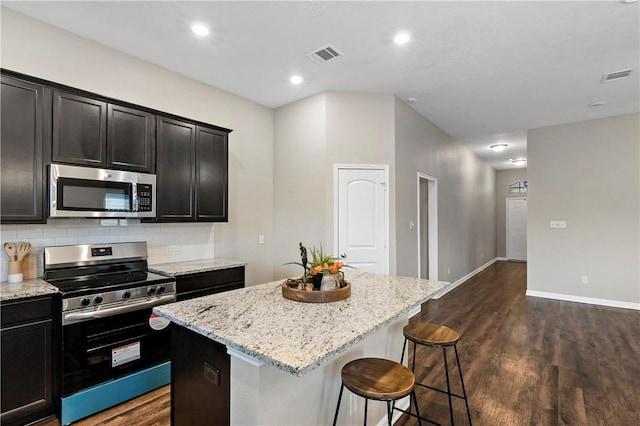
267	395
200	379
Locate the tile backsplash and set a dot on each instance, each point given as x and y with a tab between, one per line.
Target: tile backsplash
167	242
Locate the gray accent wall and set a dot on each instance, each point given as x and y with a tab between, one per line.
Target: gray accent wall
504	178
587	174
312	135
466	197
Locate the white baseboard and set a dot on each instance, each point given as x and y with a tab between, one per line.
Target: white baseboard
450	287
581	299
502	258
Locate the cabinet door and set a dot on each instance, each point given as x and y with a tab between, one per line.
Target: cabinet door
79	130
211	175
174	170
131	141
21	150
26	373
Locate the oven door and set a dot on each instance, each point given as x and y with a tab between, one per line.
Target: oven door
103	349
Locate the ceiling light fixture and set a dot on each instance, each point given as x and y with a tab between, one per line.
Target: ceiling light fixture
629	1
200	29
401	38
596	104
412	100
499	147
519	162
295	79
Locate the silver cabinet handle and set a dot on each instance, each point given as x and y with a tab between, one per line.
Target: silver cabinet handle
343	255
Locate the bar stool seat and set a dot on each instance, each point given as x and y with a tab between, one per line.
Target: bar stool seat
436	335
377	379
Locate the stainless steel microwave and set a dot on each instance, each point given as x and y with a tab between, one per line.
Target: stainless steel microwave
89	192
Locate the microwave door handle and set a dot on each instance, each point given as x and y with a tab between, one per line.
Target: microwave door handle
134	197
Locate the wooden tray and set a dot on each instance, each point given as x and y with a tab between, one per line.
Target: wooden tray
315	296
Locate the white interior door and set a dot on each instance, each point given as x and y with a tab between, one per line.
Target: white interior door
362	224
517	228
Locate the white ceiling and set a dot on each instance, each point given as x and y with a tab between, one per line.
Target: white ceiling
484	72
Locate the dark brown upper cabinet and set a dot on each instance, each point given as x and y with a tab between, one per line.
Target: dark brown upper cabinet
131	141
211	174
175	175
90	132
192	170
22	193
79	130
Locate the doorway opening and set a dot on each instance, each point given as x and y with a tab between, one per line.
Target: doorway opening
427	197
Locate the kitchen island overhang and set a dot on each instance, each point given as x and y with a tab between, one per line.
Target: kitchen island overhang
282	347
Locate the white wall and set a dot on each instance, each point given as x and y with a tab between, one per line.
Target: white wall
41	50
466	197
504	178
311	136
587	174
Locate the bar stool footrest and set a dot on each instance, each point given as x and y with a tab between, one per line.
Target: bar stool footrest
413	415
439	390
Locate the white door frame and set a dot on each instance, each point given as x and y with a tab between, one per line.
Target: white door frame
507	220
432	208
385	168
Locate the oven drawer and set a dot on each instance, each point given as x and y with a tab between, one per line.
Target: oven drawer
202	283
26	311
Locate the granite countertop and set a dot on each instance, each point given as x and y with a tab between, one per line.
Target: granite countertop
294	336
175	269
27	288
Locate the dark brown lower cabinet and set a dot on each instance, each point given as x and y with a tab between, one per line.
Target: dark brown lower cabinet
27	360
211	282
200	380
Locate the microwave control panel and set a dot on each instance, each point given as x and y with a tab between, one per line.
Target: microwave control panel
144	198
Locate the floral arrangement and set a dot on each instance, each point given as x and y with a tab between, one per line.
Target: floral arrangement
319	265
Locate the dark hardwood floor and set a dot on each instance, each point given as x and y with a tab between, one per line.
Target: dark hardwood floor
525	360
532	361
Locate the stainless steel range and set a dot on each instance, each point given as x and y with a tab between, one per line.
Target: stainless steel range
113	347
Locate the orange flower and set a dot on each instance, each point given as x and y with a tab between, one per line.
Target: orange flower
325	266
333	268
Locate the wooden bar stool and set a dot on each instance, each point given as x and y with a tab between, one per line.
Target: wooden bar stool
435	335
380	380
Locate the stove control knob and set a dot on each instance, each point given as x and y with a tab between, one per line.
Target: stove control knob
126	294
85	301
151	290
161	289
98	299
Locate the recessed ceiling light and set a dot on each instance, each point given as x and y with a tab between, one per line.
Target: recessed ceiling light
295	79
519	162
597	104
200	29
401	38
499	147
412	100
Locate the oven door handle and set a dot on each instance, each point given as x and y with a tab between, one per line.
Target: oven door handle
75	317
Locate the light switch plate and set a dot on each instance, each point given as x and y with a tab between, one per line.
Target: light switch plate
558	224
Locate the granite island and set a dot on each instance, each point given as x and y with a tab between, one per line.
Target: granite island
284	357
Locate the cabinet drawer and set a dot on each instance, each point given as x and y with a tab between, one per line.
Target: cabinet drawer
211	279
25	311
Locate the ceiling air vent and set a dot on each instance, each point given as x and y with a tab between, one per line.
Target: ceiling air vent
617	75
324	54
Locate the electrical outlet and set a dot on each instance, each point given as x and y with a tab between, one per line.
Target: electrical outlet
353	404
260	239
584	279
448	271
173	249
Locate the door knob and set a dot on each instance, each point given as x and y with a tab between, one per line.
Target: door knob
343	255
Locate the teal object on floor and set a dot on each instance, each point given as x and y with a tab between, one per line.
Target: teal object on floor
114	392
